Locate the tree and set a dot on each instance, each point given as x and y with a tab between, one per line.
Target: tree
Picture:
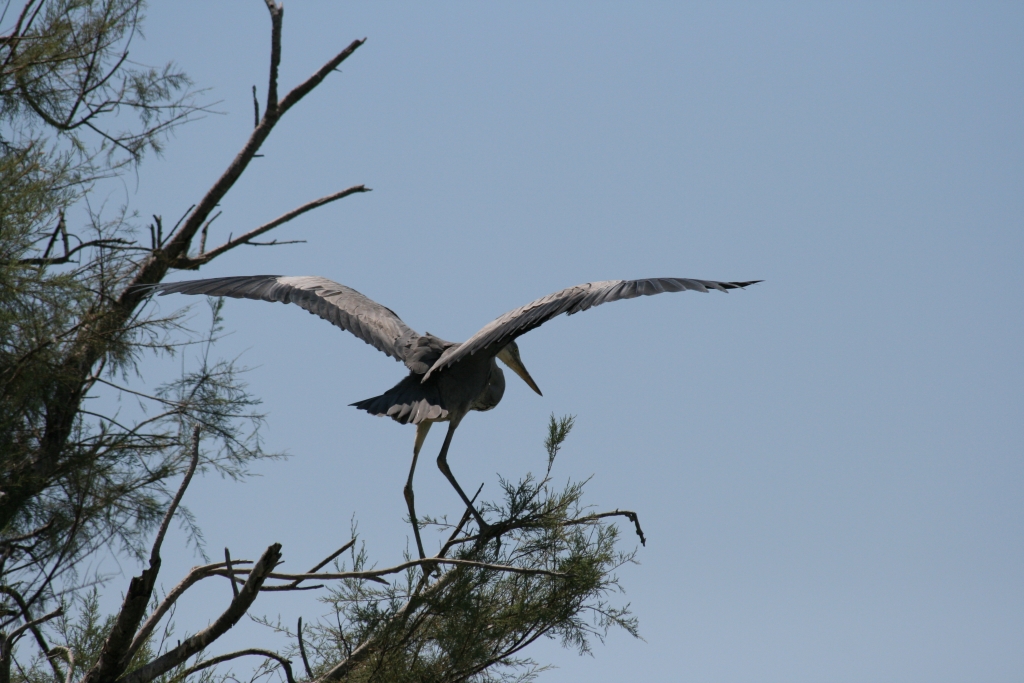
74	322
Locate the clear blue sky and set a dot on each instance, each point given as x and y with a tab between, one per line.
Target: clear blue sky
828	466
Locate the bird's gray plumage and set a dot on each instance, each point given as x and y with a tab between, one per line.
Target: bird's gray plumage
337	304
498	333
446	380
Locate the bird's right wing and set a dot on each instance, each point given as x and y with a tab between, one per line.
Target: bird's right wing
496	334
343	306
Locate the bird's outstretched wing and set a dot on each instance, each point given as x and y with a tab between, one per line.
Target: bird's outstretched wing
495	335
343	306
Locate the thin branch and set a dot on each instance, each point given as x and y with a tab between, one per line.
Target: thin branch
274	243
186	262
276	16
154	555
69	655
285	664
26	536
227	563
200	641
302	650
318	567
304	88
256	107
57	260
632	516
32	624
374	574
27	616
195	576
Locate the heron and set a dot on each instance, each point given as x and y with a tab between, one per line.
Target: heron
446	379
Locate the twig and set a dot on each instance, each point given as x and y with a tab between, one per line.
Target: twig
13	635
319	566
227	562
205	230
27	616
186	262
26	536
154	555
302	650
57	260
69	655
255	106
632	516
285	664
274	243
374	574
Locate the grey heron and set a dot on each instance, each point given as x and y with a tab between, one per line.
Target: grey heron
446	379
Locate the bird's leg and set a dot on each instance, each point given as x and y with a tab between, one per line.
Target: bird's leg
442	464
421	434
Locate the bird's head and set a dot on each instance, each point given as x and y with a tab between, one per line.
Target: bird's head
510	357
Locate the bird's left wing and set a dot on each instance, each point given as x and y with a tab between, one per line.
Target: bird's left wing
497	334
342	306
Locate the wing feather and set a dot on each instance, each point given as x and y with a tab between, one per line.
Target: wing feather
496	334
342	306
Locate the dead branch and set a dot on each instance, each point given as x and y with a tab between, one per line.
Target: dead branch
69	655
375	574
16	633
227	564
177	246
632	516
68	253
192	263
193	645
154	555
302	650
196	575
320	565
285	663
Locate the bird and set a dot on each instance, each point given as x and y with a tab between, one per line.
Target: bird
446	379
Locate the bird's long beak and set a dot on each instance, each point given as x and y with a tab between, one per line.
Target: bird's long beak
510	357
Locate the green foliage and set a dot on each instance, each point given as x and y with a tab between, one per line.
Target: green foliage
472	623
73	111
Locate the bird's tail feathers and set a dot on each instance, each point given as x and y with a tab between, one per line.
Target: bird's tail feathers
408	402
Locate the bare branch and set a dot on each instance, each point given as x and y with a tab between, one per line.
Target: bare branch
195	576
26	536
69	655
302	650
285	664
274	243
27	616
154	555
632	516
304	88
317	568
32	624
68	253
227	562
375	574
185	262
276	16
256	108
190	646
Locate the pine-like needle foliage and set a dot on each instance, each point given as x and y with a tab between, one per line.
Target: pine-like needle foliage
459	623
